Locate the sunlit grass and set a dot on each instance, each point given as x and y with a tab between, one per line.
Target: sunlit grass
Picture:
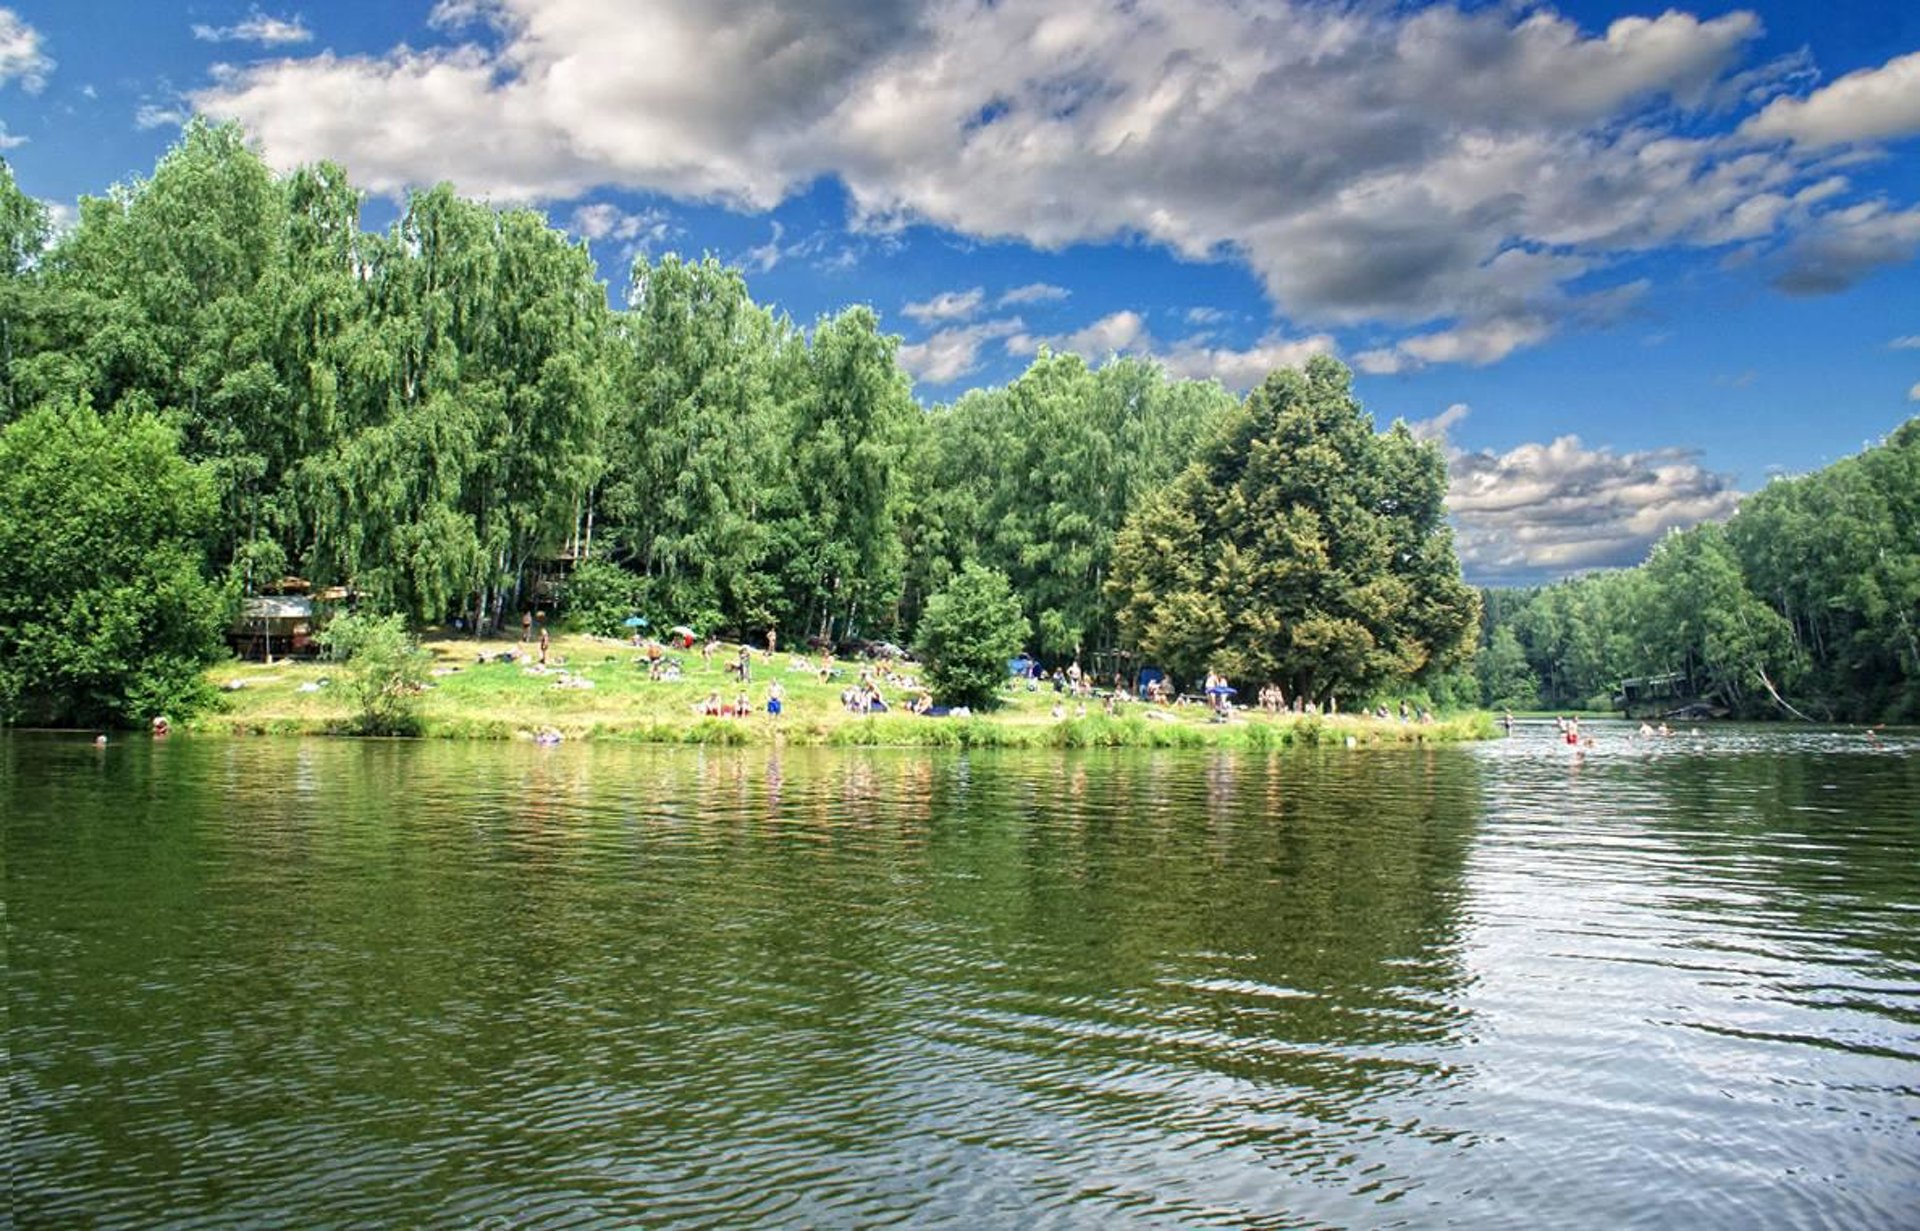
475	699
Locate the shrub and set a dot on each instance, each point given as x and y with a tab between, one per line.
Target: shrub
600	595
385	671
107	615
968	634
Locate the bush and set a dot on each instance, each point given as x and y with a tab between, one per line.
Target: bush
600	595
969	633
107	616
385	672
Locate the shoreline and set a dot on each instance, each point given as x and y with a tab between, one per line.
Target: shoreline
597	690
889	731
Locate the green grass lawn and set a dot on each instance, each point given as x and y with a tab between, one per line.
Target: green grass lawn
475	699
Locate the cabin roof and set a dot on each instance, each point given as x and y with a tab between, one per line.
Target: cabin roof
276	607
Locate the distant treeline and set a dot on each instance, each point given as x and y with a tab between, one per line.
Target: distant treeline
1807	600
217	378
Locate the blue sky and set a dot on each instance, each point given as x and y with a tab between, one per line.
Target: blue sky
1626	261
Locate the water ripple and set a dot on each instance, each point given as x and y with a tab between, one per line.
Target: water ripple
261	982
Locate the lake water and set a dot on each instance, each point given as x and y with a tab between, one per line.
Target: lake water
305	983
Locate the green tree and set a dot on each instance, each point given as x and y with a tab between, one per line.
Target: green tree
1506	681
1037	478
106	615
474	435
1704	623
166	291
23	226
385	671
851	418
695	441
1301	548
970	631
1837	554
23	235
1584	634
599	596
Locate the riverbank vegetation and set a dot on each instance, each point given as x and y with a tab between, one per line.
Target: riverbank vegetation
449	421
107	608
602	689
1805	604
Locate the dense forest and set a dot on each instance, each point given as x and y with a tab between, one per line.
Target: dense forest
450	418
216	378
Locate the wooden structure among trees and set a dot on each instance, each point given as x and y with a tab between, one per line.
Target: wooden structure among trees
274	625
1652	695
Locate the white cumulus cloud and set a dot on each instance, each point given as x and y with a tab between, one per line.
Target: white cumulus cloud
1874	104
1437	427
763	257
1492	338
62	216
1478	344
601	220
160	115
1190	358
1538	511
22	58
947	306
1033	292
1845	245
1113	334
1238	367
256	27
1458	171
948	354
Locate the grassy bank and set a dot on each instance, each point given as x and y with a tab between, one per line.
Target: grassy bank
599	689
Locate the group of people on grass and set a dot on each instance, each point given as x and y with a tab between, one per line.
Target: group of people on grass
741	705
865	697
1273	700
714	707
1216	692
